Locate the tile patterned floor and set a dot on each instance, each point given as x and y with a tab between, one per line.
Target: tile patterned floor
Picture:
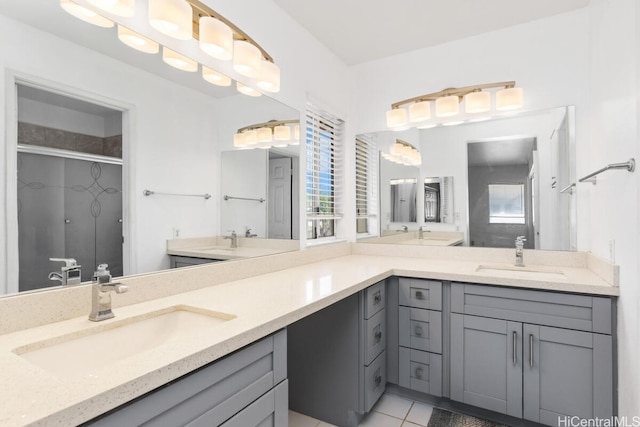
390	411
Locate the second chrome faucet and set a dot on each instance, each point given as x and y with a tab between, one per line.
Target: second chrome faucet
101	294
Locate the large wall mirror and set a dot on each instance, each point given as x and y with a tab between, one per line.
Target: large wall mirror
92	124
485	183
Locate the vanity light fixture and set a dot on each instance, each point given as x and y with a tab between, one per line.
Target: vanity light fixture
85	14
274	133
124	8
186	20
247	90
215	77
477	99
137	41
178	61
403	153
172	18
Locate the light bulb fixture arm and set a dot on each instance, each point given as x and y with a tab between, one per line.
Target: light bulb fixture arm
270	124
452	91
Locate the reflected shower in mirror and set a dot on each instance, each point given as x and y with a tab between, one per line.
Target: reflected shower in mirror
438	200
69	186
403	199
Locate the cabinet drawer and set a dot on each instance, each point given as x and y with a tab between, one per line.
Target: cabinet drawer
375	381
217	391
420	293
420	371
580	312
375	336
420	329
271	410
374	299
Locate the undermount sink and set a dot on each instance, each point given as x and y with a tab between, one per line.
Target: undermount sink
521	272
216	249
82	353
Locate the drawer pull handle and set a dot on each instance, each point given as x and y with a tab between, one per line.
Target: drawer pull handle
419	295
531	350
419	331
419	372
378	336
378	380
515	346
377	298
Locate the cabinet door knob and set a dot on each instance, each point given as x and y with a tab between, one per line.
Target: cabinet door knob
378	336
419	372
378	380
419	295
419	330
377	297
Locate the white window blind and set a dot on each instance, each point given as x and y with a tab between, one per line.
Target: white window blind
506	204
366	183
324	172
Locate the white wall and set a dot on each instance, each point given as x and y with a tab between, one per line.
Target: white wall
549	58
614	120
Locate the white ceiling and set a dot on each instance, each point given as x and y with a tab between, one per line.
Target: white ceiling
500	152
363	30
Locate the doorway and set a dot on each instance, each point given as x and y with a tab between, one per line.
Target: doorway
69	197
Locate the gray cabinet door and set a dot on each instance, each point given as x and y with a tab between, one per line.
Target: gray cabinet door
566	373
420	329
486	363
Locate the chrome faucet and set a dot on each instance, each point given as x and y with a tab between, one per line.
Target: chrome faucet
421	231
520	251
70	274
234	239
247	233
404	229
101	294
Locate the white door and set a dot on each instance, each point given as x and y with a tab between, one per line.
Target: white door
279	209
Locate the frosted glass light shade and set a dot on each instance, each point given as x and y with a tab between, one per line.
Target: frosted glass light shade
251	137
216	38
239	140
85	14
137	41
396	117
509	99
447	106
246	58
420	111
215	77
179	61
117	7
265	134
172	17
477	102
269	77
246	90
282	133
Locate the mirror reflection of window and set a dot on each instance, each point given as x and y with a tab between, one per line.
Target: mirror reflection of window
506	204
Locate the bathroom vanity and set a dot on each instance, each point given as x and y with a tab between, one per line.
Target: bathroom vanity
400	311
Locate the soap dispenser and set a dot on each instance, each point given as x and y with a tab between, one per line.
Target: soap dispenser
102	275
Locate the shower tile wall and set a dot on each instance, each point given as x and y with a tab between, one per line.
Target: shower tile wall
31	134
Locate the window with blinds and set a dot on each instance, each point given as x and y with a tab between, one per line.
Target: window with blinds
366	184
324	172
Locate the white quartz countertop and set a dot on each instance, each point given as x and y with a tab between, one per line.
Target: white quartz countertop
261	305
216	252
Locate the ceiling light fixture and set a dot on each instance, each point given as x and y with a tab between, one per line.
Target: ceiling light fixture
85	14
274	133
124	8
477	99
137	41
186	20
172	18
403	153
